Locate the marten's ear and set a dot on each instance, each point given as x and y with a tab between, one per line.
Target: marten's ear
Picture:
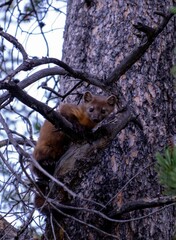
112	100
88	96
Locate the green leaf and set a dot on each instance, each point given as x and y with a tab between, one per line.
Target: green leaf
173	71
173	10
166	168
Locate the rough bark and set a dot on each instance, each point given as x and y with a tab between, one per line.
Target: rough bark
98	35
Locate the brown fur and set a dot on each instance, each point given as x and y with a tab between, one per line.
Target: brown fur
53	143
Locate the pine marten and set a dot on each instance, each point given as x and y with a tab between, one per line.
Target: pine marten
53	143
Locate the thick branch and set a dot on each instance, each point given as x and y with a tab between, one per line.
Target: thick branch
142	204
79	155
47	112
30	63
139	51
33	78
150	203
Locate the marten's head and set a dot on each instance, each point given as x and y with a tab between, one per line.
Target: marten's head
98	107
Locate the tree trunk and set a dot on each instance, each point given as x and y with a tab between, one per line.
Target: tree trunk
98	36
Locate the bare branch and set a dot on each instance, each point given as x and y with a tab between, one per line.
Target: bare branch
126	184
139	51
51	115
6	3
33	78
12	171
44	86
142	204
167	203
15	42
21	141
48	113
36	164
48	72
149	31
162	201
162	14
29	64
25	224
84	223
77	153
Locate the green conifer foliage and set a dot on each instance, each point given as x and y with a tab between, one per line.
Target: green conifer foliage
166	168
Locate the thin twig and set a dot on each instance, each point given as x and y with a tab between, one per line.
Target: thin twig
126	184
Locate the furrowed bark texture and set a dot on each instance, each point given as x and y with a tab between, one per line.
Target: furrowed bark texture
96	40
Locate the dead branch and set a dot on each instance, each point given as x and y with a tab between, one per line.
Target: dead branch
20	141
116	217
142	204
44	86
48	113
12	171
79	155
54	117
102	137
34	162
33	78
138	52
48	72
84	223
29	64
134	56
129	181
6	4
157	202
15	42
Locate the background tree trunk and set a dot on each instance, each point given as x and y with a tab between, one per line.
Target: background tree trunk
97	38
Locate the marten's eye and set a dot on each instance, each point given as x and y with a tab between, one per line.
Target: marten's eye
91	109
103	111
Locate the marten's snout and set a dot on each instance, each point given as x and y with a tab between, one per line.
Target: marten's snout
96	117
96	120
